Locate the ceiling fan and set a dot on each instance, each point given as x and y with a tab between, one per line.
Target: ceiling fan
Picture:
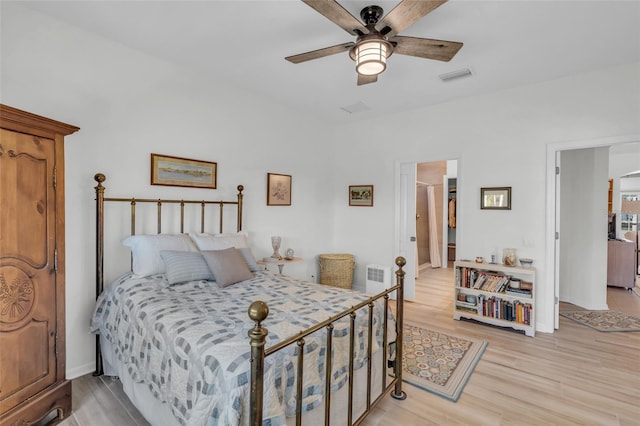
377	36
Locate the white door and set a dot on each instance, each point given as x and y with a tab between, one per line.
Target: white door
556	265
406	225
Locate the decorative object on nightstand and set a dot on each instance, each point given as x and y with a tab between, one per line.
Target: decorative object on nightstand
289	254
275	243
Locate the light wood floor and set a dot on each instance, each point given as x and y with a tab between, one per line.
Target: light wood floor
575	376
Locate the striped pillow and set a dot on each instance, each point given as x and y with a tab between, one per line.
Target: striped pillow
183	266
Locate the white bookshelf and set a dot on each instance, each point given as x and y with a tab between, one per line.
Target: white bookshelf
491	303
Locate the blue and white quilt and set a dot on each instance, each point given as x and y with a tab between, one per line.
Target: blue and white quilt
188	343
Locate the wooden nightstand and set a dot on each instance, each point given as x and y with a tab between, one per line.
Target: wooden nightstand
281	262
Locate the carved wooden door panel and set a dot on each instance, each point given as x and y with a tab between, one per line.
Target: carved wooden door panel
27	266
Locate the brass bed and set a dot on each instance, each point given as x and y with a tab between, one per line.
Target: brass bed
388	379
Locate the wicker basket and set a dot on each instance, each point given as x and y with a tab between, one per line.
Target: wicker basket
337	269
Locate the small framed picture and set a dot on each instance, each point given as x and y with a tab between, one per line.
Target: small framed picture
495	198
177	171
278	189
361	195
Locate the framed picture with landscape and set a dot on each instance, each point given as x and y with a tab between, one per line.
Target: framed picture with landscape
177	171
361	195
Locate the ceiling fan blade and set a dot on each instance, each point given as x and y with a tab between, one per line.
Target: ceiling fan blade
439	50
366	79
320	53
405	14
337	14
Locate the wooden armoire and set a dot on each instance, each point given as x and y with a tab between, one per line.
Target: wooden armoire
33	387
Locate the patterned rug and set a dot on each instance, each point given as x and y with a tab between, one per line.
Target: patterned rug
437	362
604	320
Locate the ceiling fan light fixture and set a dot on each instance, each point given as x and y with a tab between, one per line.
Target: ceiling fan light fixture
371	56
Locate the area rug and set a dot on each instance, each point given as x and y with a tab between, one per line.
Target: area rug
605	320
438	362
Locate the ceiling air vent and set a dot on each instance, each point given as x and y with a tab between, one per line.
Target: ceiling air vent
357	107
455	74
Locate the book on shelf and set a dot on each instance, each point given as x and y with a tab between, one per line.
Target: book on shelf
464	307
495	307
518	292
488	281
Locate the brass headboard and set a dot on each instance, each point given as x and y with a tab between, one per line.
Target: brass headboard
101	199
100	213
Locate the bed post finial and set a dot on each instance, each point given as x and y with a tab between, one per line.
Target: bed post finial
240	196
397	392
258	312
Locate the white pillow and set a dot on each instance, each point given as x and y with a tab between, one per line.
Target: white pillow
146	251
250	259
220	241
238	240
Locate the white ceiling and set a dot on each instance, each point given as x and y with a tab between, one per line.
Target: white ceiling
506	44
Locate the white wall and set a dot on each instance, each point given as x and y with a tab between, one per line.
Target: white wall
630	184
128	105
500	140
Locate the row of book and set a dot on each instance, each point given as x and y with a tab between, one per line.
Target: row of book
481	280
488	281
507	310
495	307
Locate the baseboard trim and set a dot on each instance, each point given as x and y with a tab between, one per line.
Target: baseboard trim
75	372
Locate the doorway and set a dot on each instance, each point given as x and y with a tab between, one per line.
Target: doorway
417	240
429	213
549	304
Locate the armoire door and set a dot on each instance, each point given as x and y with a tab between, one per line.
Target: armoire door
27	266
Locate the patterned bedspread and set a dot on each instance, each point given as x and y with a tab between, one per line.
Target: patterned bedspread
188	343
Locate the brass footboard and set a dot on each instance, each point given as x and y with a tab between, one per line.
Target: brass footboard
258	312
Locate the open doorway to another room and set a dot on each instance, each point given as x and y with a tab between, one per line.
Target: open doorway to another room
630	214
623	261
436	191
576	229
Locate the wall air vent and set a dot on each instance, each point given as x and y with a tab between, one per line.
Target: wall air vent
378	278
465	72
